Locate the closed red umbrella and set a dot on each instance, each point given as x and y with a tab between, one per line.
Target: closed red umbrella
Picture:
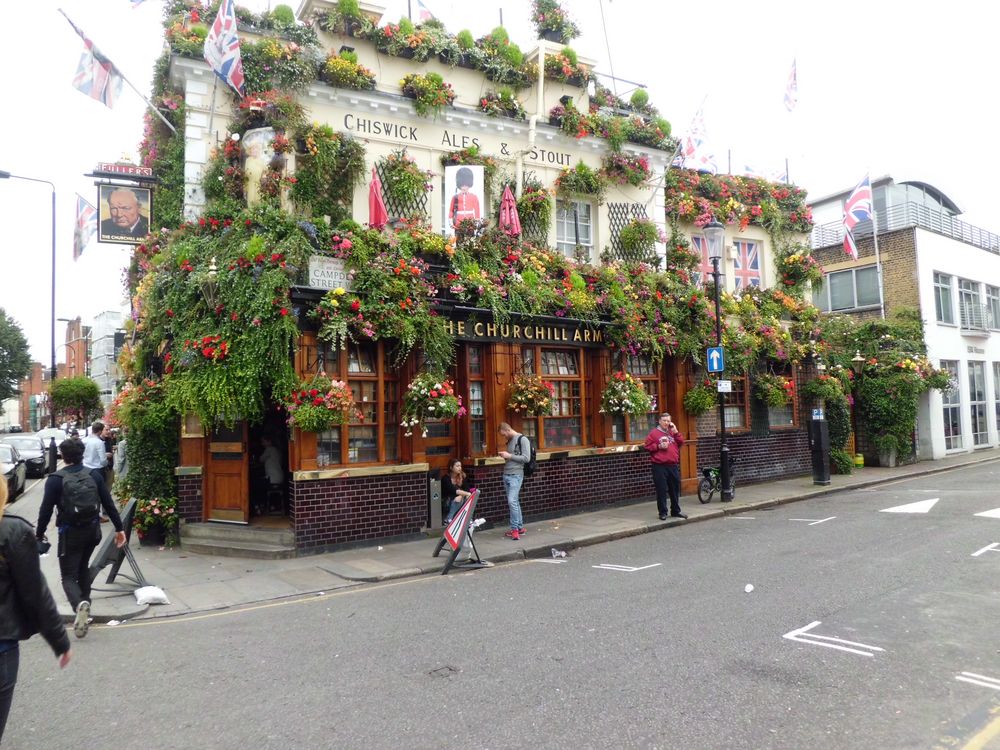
378	217
510	222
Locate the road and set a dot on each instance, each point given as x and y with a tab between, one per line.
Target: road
864	629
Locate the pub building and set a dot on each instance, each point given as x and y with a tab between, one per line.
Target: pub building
367	480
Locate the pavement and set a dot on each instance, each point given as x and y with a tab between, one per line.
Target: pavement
198	583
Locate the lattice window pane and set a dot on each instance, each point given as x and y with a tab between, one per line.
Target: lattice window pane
620	214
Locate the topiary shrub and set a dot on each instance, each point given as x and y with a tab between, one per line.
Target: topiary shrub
640	98
465	40
283	15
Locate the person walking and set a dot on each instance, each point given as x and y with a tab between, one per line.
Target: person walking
518	453
76	493
96	455
26	604
664	445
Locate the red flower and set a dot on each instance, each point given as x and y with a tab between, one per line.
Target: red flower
284	311
314	393
208	351
355	306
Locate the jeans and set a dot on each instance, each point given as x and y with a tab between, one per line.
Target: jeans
512	484
8	678
75	547
667	479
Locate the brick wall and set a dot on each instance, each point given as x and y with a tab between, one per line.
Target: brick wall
190	504
757	458
898	254
334	512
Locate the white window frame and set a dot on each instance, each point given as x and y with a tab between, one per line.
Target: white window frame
951	401
993	306
566	229
821	297
977	404
943	287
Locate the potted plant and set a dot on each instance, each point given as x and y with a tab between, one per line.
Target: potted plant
552	23
156	521
402	180
502	103
625	395
343	71
430	92
700	398
429	396
581	180
637	241
319	404
531	396
823	388
626	169
774	390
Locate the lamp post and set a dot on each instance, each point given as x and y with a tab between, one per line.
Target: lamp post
52	370
715	236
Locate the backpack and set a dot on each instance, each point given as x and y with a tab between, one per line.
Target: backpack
80	502
532	466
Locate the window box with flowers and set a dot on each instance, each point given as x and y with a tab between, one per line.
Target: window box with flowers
430	93
625	395
531	396
581	180
502	103
429	396
564	66
626	169
319	404
342	71
156	521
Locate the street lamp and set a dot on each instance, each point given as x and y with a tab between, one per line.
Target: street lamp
857	362
715	236
52	371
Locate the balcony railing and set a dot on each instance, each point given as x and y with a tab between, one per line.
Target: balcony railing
909	215
974	318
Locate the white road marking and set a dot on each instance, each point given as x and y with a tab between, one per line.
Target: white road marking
743	518
920	507
550	562
995	547
979	679
813	521
801	635
995	513
624	568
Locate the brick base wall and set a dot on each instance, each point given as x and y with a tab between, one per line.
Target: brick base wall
190	504
757	458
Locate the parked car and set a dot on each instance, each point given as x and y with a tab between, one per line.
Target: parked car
32	450
52	432
14	428
14	469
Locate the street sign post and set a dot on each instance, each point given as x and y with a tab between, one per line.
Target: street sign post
716	358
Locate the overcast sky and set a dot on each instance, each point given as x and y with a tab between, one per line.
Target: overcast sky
899	88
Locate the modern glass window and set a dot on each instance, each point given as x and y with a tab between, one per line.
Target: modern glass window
376	396
625	428
943	304
564	369
846	290
971	312
977	403
993	306
951	403
735	410
575	229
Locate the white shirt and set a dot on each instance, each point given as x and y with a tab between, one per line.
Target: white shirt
272	465
94	452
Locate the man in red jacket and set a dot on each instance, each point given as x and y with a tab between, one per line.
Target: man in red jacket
664	445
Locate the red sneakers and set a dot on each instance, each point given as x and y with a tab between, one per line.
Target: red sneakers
522	531
513	534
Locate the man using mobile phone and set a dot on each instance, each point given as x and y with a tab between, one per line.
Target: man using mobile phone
664	445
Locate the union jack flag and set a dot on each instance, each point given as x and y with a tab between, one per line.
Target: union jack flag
704	270
696	153
222	48
792	89
423	12
85	227
746	264
96	76
857	209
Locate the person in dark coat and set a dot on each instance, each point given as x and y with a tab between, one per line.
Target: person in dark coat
26	604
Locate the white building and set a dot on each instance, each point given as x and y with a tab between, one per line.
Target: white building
104	354
950	272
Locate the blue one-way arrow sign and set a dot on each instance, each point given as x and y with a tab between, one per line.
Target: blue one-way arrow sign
716	359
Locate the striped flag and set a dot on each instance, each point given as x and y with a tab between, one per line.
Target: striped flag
792	89
85	227
695	151
96	76
857	209
423	13
222	48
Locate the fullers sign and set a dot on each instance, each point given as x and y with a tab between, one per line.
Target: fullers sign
329	273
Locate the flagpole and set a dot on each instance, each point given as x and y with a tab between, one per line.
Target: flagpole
878	260
211	106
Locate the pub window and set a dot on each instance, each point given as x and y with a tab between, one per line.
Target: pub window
628	428
563	368
574	229
783	416
477	400
735	410
376	397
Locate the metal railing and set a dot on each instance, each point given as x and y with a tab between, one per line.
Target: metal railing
909	215
974	316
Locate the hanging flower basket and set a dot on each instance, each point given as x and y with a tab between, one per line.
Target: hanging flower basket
626	395
429	396
320	404
774	390
531	396
699	399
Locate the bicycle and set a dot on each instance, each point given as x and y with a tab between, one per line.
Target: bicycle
711	482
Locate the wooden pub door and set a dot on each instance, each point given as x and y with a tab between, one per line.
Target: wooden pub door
227	496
